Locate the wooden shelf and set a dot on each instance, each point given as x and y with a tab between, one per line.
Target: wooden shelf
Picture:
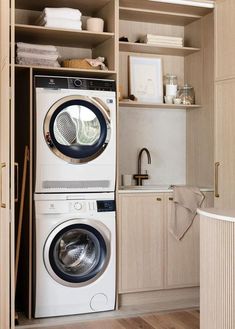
163	12
156	105
155	16
152	49
88	7
71	71
60	37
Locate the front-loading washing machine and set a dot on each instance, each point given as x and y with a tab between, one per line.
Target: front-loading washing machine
75	254
75	134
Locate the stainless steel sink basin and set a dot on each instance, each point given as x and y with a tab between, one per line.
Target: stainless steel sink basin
147	187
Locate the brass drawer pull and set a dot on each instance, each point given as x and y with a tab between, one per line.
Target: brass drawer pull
17	181
171	199
159	199
3	165
217	179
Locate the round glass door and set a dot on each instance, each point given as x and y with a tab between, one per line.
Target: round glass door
77	129
76	254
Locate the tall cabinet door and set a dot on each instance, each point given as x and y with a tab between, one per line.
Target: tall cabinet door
224	103
4	168
225	143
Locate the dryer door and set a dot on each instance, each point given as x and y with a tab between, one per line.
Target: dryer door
77	252
77	128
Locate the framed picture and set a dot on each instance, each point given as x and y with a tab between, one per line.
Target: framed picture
145	79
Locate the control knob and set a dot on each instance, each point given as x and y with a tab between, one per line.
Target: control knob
77	83
77	205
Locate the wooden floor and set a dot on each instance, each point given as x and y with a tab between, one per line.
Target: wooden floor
175	320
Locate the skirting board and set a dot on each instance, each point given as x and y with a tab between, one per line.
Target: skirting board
161	300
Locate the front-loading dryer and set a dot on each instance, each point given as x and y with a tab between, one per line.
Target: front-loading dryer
75	254
75	135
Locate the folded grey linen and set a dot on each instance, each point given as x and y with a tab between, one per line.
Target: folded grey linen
186	200
37	62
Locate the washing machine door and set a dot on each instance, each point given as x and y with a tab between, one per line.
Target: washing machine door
77	252
77	129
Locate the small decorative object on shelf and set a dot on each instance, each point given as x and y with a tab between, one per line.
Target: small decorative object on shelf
187	95
124	39
86	64
95	24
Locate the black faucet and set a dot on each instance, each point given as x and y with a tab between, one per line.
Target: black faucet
139	177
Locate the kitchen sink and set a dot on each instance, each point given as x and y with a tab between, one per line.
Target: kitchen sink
147	187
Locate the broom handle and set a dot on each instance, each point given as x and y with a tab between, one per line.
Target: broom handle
22	199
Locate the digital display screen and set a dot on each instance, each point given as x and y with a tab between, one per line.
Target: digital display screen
106	205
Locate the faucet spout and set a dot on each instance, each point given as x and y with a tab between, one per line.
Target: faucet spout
139	177
140	157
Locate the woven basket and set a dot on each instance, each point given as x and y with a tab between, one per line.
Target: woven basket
78	64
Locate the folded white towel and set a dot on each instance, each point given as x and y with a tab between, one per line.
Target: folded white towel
67	13
61	23
163	37
31	46
50	57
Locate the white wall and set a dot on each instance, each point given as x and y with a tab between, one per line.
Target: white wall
163	132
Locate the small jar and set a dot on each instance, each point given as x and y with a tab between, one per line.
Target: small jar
171	85
186	94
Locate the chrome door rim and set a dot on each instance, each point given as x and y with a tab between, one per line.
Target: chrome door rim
94	101
100	227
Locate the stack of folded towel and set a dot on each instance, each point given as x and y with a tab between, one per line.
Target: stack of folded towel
66	18
161	40
36	55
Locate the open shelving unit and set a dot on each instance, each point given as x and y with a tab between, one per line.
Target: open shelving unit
142	105
158	50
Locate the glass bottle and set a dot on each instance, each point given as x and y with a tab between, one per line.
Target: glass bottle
171	83
187	95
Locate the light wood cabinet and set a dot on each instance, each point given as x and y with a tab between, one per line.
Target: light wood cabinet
224	39
225	141
182	257
141	220
150	258
4	167
224	104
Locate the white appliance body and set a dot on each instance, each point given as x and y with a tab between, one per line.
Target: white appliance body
60	218
65	174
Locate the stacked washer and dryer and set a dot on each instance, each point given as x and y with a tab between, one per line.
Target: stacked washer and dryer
75	229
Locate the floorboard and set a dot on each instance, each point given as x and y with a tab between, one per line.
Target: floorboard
188	319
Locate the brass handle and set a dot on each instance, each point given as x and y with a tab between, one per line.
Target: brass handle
159	199
217	179
3	165
17	181
171	199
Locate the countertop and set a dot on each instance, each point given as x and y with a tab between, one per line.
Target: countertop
227	215
154	189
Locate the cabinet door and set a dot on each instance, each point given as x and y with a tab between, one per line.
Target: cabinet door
182	257
140	242
224	39
225	143
4	167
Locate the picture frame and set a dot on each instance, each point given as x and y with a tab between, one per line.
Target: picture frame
146	79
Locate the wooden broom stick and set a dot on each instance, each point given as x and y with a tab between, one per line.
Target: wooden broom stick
22	199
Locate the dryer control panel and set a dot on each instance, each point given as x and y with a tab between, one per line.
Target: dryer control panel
52	82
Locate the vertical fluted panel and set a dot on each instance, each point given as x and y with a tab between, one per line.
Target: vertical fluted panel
217	252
